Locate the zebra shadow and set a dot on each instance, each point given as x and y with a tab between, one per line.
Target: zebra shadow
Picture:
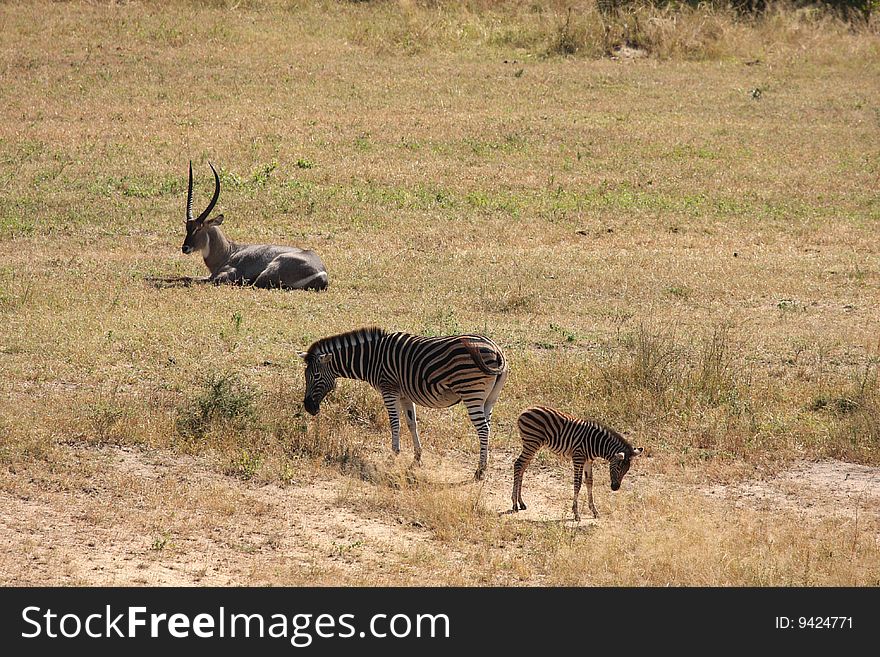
387	474
446	485
582	525
413	480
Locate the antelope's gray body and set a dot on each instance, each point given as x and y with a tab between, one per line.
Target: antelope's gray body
261	265
580	440
408	370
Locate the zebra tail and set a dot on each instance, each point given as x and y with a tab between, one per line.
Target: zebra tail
478	359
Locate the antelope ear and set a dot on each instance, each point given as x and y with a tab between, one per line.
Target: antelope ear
215	221
302	354
637	451
324	358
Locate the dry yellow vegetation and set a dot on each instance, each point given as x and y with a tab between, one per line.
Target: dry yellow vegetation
672	230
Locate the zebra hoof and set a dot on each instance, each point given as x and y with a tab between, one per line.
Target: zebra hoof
522	505
479	474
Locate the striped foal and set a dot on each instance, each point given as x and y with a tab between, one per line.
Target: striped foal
582	440
407	370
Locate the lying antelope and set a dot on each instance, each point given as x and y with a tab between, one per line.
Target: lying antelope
260	265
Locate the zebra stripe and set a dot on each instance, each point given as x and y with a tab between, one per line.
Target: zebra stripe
581	440
408	370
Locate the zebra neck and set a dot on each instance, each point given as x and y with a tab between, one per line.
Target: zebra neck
358	358
605	443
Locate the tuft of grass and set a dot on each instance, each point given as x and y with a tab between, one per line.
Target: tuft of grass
714	378
162	542
222	400
107	421
330	442
649	362
451	514
572	38
837	405
245	465
857	410
679	292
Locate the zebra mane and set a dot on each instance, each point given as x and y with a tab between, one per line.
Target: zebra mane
627	447
332	342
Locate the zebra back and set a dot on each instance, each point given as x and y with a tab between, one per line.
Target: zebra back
371	354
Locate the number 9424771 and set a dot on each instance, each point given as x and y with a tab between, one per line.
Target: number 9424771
825	622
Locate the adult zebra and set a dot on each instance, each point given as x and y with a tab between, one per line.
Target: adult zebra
409	369
580	440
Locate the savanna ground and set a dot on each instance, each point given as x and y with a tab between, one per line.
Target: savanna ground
669	220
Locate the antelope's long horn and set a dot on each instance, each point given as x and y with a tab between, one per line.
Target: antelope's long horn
189	194
213	202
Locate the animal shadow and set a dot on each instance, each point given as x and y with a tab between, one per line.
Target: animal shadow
582	525
163	282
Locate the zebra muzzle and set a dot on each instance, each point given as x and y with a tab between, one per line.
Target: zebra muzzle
311	406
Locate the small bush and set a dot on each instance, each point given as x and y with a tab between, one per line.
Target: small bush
222	400
245	465
648	361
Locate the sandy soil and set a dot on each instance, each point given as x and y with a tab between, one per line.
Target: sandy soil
825	488
223	531
142	517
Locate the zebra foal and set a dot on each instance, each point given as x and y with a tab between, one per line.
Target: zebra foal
581	440
408	370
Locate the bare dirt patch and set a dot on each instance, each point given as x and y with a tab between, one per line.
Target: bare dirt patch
154	518
128	516
822	488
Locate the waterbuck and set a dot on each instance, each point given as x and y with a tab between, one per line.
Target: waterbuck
260	265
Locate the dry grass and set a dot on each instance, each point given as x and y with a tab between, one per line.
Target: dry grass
681	244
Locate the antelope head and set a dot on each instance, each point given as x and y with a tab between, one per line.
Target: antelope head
196	229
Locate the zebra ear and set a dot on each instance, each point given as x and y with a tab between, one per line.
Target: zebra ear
637	451
302	354
324	358
619	456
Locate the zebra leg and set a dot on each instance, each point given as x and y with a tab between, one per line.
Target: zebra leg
477	415
409	412
578	460
519	469
390	399
589	480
